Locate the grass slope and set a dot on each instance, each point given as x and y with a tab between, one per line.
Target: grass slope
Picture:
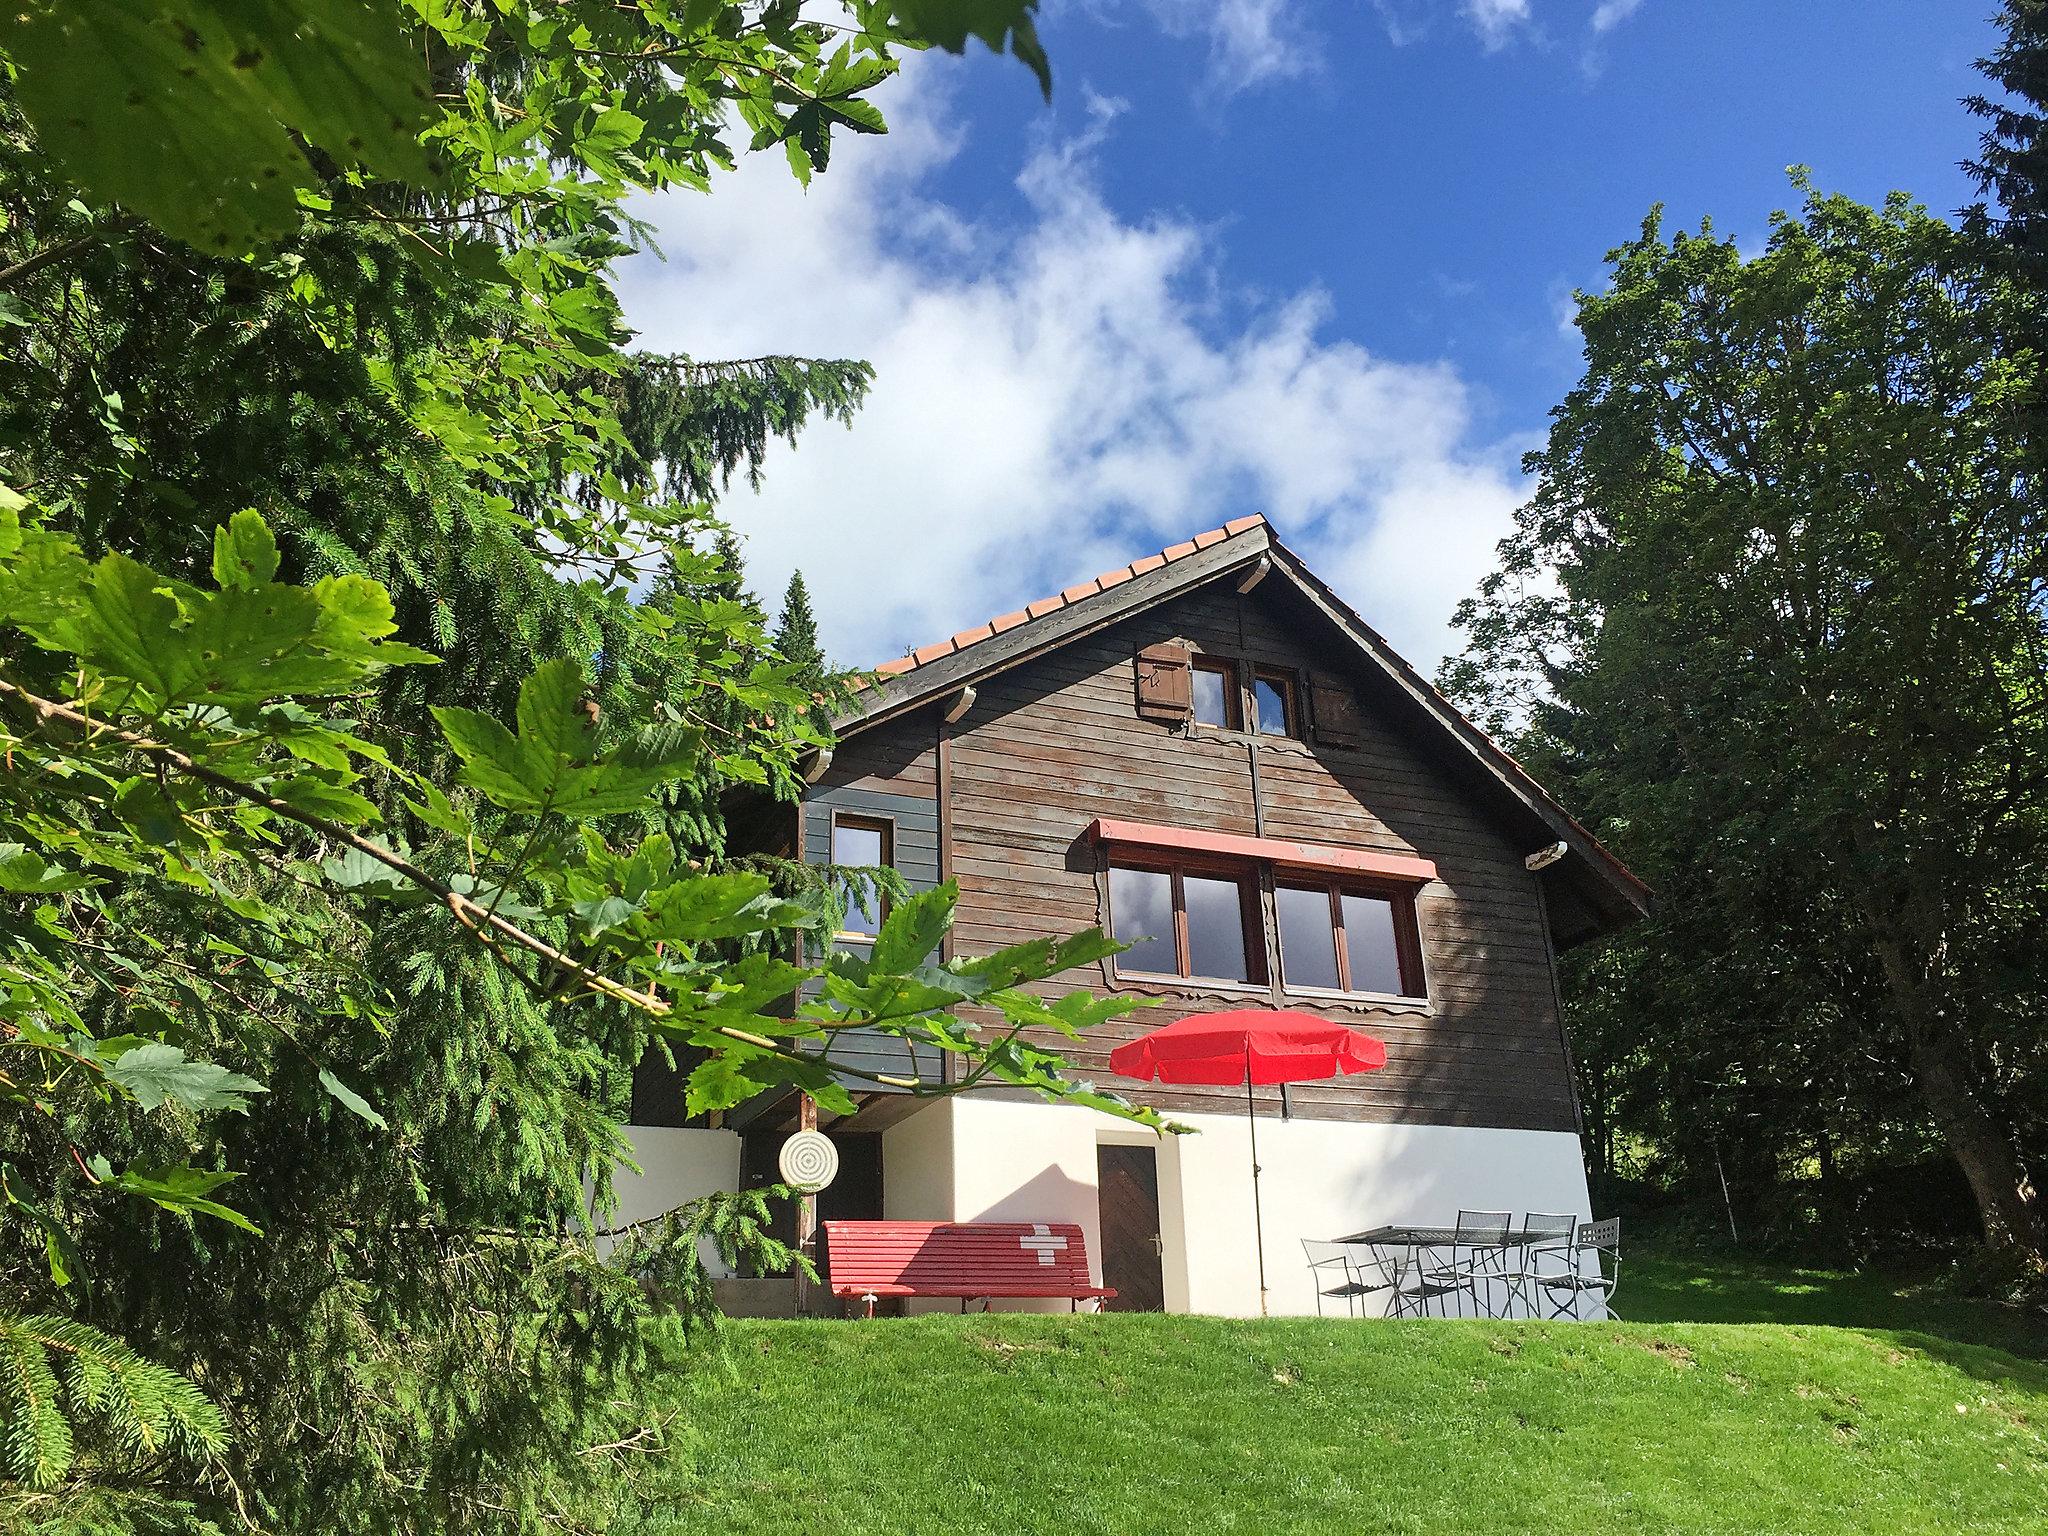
1674	1282
1127	1425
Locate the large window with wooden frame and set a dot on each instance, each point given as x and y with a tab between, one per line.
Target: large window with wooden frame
1189	921
863	842
1336	937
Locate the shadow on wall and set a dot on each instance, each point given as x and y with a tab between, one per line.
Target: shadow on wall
1049	1195
1426	1175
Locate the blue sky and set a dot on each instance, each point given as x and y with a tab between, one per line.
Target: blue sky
1312	260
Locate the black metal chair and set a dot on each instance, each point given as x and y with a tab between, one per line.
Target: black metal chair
1541	1230
1478	1248
1590	1266
1417	1281
1332	1268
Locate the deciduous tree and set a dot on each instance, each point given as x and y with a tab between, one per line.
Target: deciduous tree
1775	616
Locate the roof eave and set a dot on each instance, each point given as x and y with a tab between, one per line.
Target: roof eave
931	680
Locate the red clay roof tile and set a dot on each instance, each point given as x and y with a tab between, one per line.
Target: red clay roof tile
1074	594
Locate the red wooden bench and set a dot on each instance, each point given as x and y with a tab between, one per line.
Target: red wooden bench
975	1261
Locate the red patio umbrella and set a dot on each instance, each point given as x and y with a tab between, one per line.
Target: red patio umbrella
1249	1046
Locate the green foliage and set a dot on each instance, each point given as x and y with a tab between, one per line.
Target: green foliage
1773	617
69	1391
153	1072
553	764
796	636
2012	155
1002	24
218	97
360	824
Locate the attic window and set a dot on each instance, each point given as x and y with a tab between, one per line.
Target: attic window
1218	702
1273	707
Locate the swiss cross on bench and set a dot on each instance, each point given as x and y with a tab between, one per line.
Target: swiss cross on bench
1042	1242
971	1260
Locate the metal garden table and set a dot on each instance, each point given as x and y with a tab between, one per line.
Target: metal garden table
1419	1241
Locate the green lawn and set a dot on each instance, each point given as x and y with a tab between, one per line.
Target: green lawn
1668	1282
1126	1425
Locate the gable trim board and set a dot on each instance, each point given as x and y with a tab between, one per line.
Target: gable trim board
1614	894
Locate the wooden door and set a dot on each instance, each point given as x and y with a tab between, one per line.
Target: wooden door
1127	1179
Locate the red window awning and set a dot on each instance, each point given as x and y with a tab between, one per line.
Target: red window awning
1281	851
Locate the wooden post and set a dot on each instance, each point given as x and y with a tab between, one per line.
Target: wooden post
806	1210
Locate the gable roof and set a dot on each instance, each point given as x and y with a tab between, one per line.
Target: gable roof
1071	597
934	671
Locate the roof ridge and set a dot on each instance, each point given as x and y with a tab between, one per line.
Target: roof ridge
960	641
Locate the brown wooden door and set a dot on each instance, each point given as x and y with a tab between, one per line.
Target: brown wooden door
1128	1181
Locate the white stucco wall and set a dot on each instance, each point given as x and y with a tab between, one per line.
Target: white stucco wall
992	1160
969	1159
917	1165
677	1165
1326	1178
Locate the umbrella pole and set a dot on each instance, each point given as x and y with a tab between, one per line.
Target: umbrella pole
1251	1116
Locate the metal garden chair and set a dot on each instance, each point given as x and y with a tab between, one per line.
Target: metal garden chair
1417	1282
1520	1268
1477	1253
1338	1273
1590	1266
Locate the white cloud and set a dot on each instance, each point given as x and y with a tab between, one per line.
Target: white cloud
1612	13
1406	21
1055	395
1250	41
1496	21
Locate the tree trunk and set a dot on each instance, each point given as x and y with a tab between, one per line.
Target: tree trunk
2006	1200
1939	1057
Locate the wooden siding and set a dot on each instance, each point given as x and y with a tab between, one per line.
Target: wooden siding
892	773
1055	743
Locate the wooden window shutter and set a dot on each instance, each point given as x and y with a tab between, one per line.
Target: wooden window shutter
1166	681
1338	718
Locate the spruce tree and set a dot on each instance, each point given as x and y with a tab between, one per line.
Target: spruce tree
2012	158
796	631
421	384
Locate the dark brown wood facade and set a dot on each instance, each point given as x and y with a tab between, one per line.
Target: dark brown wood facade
1049	745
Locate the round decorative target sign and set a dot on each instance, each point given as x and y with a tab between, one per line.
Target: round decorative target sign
808	1161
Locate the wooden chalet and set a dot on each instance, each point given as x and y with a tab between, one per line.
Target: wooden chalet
1210	754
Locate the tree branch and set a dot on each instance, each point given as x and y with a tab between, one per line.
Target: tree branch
488	926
